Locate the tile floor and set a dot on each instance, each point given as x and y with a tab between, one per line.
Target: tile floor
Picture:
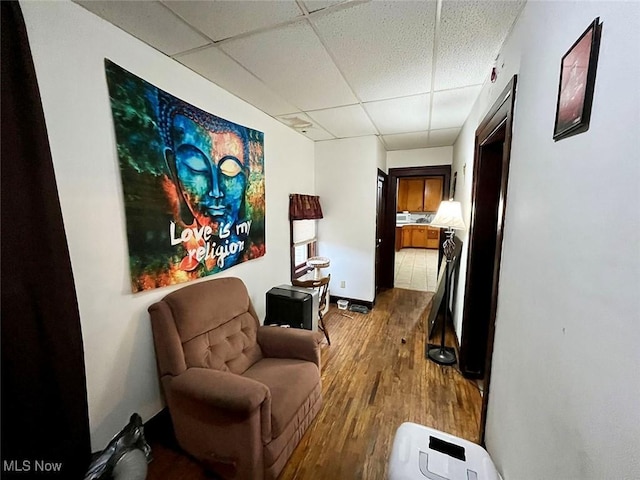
416	269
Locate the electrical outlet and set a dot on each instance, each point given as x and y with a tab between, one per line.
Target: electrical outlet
343	284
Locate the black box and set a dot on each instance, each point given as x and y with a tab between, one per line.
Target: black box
289	307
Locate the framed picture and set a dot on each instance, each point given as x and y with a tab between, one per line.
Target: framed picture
577	79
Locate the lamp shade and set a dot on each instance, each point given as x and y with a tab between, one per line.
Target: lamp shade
449	215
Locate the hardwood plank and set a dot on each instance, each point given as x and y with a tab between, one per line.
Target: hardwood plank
372	382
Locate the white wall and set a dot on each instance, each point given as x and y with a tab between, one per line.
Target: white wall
69	46
381	155
346	173
508	64
420	157
564	387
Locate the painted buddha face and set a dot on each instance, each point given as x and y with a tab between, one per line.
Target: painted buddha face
210	168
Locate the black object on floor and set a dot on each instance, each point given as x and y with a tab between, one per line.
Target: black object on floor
286	306
358	309
441	355
105	463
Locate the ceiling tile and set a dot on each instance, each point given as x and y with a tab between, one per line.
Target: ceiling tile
444	137
215	65
292	61
303	124
471	35
316	133
451	107
384	48
351	121
406	114
149	21
315	5
406	141
228	18
283	63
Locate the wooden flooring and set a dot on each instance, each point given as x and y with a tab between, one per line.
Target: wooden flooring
372	382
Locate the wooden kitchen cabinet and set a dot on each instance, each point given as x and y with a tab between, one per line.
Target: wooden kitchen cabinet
422	194
410	195
419	237
415	194
433	237
403	192
406	236
432	193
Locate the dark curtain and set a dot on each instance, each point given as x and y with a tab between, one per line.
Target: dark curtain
45	425
304	207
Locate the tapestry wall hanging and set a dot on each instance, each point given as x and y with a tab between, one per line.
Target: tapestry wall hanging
193	185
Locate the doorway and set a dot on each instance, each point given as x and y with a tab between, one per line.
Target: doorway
488	206
381	214
387	251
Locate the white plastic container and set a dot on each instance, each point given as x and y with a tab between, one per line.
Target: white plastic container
421	452
343	304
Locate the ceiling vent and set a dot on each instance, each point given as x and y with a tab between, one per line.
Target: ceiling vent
299	124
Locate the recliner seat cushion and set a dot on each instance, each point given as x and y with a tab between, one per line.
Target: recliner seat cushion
290	382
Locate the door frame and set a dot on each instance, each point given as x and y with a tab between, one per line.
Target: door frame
497	121
381	238
388	253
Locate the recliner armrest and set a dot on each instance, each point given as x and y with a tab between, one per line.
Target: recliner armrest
218	389
277	342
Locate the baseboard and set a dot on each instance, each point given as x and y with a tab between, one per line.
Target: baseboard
159	429
352	301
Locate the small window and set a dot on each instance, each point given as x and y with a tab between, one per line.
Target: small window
301	254
303	246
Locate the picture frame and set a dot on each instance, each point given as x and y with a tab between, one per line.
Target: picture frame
576	85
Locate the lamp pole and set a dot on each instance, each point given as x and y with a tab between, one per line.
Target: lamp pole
441	354
449	216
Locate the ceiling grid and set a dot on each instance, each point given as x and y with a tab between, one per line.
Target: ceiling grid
436	35
406	71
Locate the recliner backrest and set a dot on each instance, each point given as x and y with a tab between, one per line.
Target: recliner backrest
217	325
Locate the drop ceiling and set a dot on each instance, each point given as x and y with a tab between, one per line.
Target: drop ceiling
407	71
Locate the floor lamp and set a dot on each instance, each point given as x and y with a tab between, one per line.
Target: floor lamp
449	216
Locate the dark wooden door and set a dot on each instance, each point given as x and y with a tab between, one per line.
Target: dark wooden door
488	207
482	254
381	238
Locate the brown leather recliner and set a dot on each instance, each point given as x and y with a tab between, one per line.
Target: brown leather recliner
240	395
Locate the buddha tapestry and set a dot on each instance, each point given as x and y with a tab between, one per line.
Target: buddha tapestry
193	185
